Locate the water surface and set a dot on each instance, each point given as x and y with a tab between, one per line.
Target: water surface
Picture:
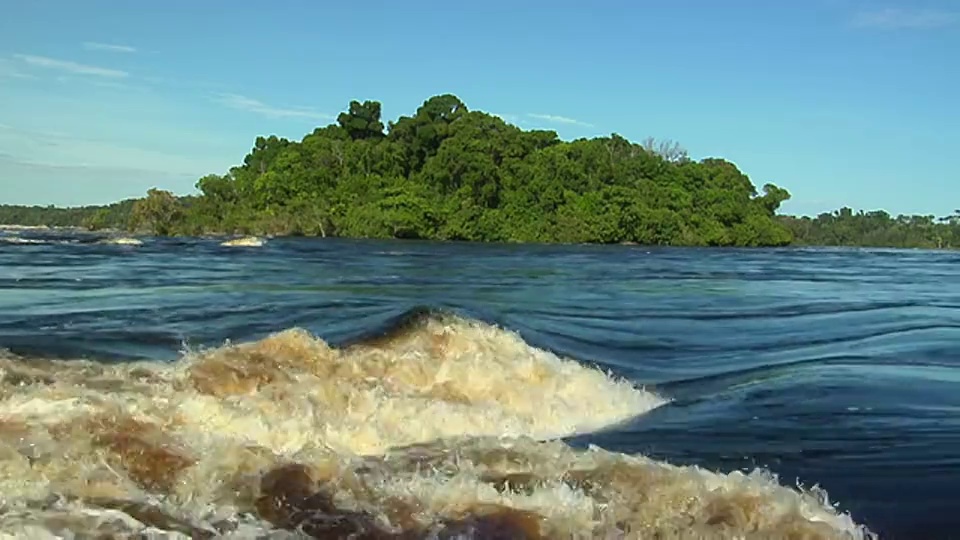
829	367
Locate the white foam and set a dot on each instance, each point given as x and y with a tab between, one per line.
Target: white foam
431	424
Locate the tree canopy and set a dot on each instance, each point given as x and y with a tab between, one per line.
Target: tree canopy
451	173
845	227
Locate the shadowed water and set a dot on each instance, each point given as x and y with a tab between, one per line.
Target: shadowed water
401	389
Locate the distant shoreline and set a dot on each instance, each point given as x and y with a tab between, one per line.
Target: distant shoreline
232	236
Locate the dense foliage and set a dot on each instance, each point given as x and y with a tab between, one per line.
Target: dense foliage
845	227
113	216
453	174
449	173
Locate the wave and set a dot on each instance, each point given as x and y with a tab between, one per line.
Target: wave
21	240
65	240
437	426
246	241
121	241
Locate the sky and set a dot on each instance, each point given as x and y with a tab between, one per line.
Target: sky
842	102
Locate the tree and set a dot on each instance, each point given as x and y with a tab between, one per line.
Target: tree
158	211
773	196
667	149
265	149
97	220
362	121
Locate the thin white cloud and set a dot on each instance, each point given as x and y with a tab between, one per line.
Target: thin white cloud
53	150
108	83
899	18
70	67
559	119
108	47
248	104
10	71
68	185
12	160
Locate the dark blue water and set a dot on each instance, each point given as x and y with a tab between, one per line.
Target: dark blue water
837	367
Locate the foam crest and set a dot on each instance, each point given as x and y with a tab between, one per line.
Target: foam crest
246	241
438	430
122	241
21	240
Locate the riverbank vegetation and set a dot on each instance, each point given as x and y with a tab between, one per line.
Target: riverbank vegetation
845	227
113	216
450	173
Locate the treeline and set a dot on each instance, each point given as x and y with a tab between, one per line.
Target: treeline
449	173
113	216
845	227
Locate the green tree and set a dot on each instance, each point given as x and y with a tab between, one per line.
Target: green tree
158	211
362	120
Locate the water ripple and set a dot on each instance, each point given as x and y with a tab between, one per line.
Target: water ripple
831	366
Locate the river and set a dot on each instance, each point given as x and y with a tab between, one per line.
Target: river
417	390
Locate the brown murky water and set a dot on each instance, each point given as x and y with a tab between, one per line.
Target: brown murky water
444	429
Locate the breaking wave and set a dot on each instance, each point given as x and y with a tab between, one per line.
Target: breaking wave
443	427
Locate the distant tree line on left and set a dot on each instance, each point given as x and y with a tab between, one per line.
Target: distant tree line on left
94	217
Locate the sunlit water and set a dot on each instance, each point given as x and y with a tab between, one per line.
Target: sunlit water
415	390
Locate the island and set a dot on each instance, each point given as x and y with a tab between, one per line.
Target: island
451	173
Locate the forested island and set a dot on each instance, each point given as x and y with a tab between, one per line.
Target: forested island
450	173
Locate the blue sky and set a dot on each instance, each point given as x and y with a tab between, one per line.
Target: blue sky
842	102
